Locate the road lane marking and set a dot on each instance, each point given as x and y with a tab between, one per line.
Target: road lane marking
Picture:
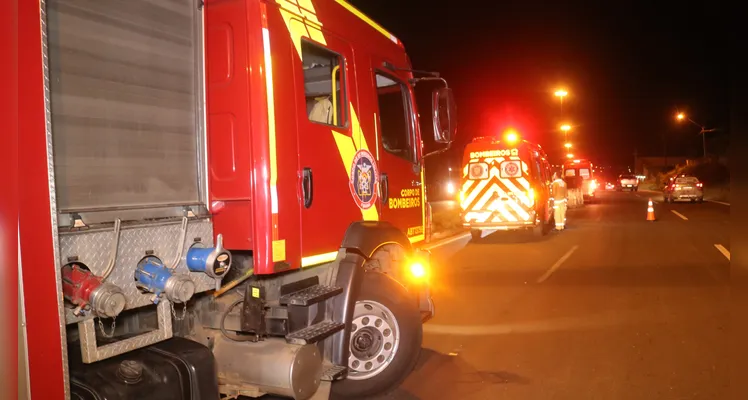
557	265
719	202
680	215
723	250
446	241
557	324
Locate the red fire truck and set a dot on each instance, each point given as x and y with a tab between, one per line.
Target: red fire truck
583	170
220	198
505	185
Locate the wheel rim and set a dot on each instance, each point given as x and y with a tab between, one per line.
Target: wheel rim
375	339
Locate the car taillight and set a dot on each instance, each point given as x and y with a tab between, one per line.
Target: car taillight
700	184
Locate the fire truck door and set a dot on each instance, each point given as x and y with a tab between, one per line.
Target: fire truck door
326	82
398	152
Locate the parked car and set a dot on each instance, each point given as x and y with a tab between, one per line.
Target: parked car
630	182
684	187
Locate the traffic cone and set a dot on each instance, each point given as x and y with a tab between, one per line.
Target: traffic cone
650	211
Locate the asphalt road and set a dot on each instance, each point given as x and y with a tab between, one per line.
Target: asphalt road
614	307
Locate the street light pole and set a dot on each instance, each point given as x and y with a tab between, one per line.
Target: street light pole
702	129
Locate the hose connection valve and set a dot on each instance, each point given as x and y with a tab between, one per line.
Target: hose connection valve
153	276
213	261
89	293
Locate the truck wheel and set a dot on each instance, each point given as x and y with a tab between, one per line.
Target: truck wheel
541	229
386	336
476	234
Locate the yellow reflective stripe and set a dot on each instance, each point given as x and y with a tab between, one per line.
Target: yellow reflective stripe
357	133
417	238
319	259
346	150
308	27
368	20
423	209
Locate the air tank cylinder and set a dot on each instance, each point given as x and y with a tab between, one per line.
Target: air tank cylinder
278	367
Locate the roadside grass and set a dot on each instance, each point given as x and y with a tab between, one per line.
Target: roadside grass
717	193
446	222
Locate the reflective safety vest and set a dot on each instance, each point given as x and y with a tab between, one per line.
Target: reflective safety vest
558	189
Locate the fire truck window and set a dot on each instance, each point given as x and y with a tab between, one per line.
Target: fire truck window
570	172
393	116
324	85
584	172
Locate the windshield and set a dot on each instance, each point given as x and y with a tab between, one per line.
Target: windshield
686	180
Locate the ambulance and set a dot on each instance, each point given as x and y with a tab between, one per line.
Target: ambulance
505	186
584	170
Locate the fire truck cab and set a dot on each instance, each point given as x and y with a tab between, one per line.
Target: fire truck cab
505	186
221	198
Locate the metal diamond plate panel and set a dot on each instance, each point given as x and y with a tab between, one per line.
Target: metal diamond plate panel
94	250
91	352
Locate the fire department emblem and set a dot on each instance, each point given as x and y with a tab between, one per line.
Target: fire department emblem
364	179
511	169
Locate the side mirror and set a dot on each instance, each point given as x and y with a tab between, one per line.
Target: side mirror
444	113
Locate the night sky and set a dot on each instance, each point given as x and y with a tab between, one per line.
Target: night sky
627	68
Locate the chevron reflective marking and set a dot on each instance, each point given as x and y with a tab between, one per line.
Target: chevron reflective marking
475	192
522	194
496	199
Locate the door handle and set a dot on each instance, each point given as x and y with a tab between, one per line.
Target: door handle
307	186
385	188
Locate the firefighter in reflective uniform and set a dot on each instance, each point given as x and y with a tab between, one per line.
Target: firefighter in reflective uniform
559	193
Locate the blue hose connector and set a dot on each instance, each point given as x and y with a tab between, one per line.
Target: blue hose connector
213	261
153	276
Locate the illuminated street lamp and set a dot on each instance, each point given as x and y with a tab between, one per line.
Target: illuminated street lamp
567	145
681	116
561	93
566	128
569	155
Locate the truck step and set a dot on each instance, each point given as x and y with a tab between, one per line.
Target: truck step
314	333
332	372
311	295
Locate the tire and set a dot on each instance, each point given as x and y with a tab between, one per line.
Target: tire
476	234
381	299
700	200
